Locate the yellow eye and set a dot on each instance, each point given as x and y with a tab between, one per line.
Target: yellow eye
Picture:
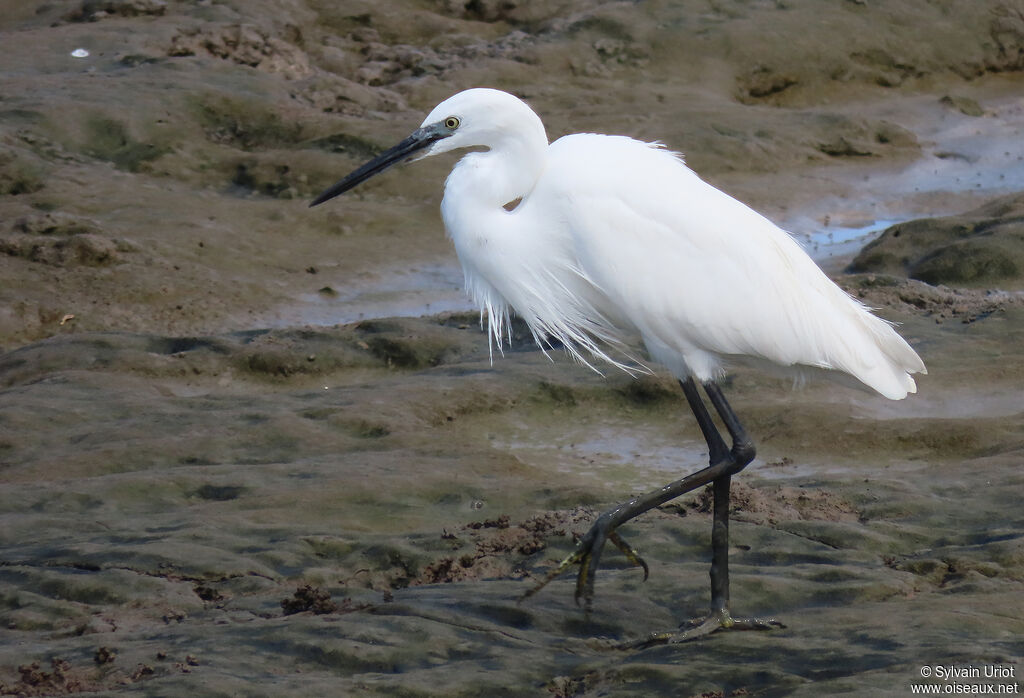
452	122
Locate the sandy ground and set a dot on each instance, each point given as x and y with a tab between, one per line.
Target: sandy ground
225	470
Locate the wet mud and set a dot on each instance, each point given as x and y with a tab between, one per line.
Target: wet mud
225	469
338	510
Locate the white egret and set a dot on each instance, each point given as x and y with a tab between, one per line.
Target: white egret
594	239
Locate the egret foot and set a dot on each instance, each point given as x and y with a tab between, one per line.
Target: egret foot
587	555
718	620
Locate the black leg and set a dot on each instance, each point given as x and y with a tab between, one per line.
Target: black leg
743	451
723	464
739	456
720	547
717	450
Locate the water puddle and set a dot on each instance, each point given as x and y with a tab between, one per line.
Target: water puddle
396	292
839	244
618	455
632	458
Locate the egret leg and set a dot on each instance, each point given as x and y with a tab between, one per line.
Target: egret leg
724	463
719	618
588	552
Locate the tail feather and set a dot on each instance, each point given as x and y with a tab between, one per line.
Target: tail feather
888	360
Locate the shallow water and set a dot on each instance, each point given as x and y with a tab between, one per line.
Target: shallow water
397	292
626	454
834	247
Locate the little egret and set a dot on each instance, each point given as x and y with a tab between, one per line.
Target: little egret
595	239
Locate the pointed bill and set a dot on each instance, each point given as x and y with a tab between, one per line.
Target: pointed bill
421	138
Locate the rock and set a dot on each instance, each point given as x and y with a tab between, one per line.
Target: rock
763	82
837	135
55	223
82	249
95	10
246	45
489	10
983	247
964	105
18	175
1007	32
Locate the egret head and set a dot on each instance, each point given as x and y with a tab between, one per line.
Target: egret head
476	117
482	117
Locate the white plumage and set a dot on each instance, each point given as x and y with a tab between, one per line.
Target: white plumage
615	237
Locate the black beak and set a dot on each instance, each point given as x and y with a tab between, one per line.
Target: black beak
420	139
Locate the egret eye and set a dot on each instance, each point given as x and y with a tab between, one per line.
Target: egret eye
452	122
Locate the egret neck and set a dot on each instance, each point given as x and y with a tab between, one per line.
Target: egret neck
488	180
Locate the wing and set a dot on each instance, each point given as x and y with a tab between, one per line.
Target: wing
704	277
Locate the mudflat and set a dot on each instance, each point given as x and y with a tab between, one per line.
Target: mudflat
251	449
